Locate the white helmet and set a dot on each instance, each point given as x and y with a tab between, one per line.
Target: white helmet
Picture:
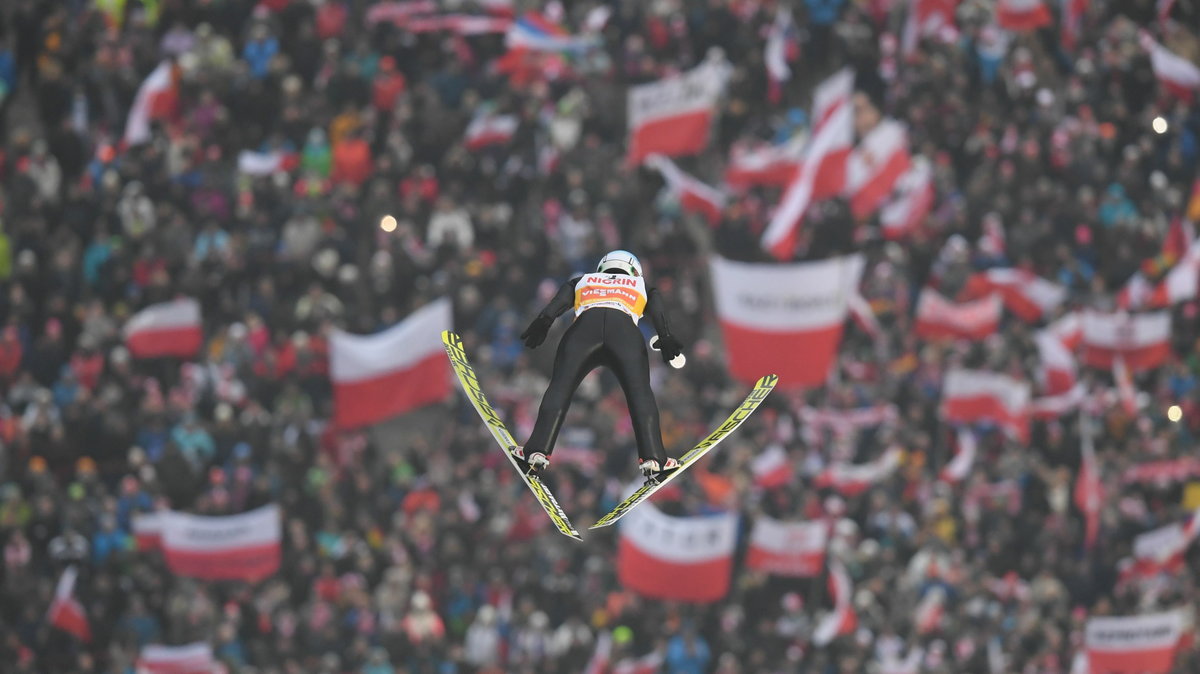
622	261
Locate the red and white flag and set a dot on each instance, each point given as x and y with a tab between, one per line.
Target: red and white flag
66	613
853	479
842	619
694	196
929	18
930	610
1162	550
766	165
1073	12
770	309
147	530
165	329
194	658
794	549
673	116
676	558
1089	487
1178	75
234	547
823	171
960	466
1143	340
781	47
1179	285
772	468
376	377
864	316
913	200
399	13
1026	294
1022	15
844	422
1058	371
875	166
651	663
488	129
601	656
1126	393
972	396
939	318
1162	473
1058	405
155	98
1143	644
1068	328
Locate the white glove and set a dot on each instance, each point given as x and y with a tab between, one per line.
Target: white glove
677	362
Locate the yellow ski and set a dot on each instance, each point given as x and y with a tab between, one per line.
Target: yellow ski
762	388
470	385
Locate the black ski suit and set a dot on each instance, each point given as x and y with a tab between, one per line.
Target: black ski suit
607	337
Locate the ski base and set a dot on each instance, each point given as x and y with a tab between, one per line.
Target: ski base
470	384
762	388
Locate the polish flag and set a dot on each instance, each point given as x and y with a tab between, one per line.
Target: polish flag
842	619
1068	329
930	610
399	13
794	549
676	558
852	480
771	309
1143	340
875	166
66	613
972	396
1145	644
651	663
1162	473
673	116
154	100
823	171
772	468
1072	21
1058	371
929	18
234	547
1178	75
960	466
906	211
864	316
1179	285
376	377
1058	405
780	48
266	163
147	530
1126	392
1026	294
488	129
1162	550
601	656
938	318
766	165
194	658
165	329
1089	489
1022	15
694	196
844	422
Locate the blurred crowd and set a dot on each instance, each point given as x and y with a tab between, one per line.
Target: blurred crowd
412	547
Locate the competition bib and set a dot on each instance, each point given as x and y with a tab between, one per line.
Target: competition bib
612	291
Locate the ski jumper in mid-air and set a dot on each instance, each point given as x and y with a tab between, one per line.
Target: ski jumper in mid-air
608	305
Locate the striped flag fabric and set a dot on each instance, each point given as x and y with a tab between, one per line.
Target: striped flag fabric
694	196
233	547
196	658
842	619
772	468
973	396
535	31
1145	644
928	18
488	129
66	613
781	47
794	549
1089	488
1179	76
964	459
768	309
853	479
1025	294
376	377
166	329
913	200
939	318
1022	15
875	166
147	530
673	116
764	165
676	558
1057	372
1162	550
155	99
1142	340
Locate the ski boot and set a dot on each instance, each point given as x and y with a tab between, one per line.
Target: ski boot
535	462
652	471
